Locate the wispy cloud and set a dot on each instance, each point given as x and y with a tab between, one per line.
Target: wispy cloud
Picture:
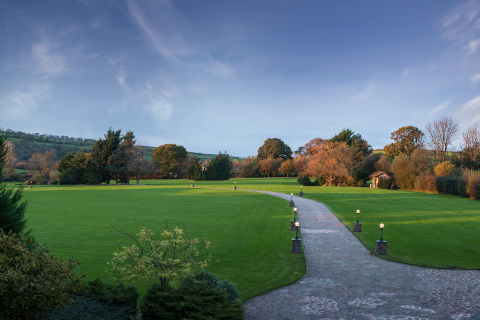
367	92
439	108
473	46
475	78
48	63
158	103
20	102
160	22
469	113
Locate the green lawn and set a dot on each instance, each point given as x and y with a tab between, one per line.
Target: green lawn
250	234
250	231
424	229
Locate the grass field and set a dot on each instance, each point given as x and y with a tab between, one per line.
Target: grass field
250	234
424	229
250	231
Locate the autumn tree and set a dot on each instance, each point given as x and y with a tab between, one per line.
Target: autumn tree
287	168
275	148
406	140
360	146
441	134
407	167
312	147
334	163
249	167
170	158
10	159
270	166
443	169
169	258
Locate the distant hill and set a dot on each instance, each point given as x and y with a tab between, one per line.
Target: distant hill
28	143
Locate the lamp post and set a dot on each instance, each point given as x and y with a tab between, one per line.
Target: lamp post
297	224
381	248
235	185
357	226
291	200
296	243
292	222
301	191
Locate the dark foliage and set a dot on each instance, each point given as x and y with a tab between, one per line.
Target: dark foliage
88	309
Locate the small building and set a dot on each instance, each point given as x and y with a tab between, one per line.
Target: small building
377	176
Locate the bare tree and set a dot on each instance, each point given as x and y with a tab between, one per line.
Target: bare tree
470	146
441	134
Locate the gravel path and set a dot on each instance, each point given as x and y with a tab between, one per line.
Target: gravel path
345	281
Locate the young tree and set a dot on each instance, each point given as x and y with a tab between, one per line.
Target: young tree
275	148
172	257
137	164
441	134
12	206
170	158
406	140
223	166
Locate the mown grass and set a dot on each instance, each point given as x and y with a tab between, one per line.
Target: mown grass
250	235
424	229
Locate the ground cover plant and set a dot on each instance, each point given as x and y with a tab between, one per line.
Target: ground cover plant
249	232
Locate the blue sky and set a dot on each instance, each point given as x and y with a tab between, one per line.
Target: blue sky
226	75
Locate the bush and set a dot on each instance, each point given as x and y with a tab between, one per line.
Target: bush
87	308
66	178
472	181
125	297
385	184
304	180
209	281
360	183
38	179
441	185
32	281
197	302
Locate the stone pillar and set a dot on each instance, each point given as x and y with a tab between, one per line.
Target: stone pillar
296	245
300	194
234	187
292	204
381	248
193	186
292	224
357	227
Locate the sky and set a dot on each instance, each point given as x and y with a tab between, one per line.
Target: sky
224	75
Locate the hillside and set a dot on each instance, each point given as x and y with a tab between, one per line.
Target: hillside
28	143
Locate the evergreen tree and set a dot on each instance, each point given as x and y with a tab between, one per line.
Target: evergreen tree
12	208
101	152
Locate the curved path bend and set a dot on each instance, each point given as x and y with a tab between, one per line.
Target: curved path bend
345	281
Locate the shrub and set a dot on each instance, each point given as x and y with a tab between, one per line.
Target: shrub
472	181
38	179
32	281
304	180
444	169
66	177
209	281
197	302
360	183
87	308
385	184
441	185
125	297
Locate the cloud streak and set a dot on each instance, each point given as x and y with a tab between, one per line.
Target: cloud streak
367	92
159	21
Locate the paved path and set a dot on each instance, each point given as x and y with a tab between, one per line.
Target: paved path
345	281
